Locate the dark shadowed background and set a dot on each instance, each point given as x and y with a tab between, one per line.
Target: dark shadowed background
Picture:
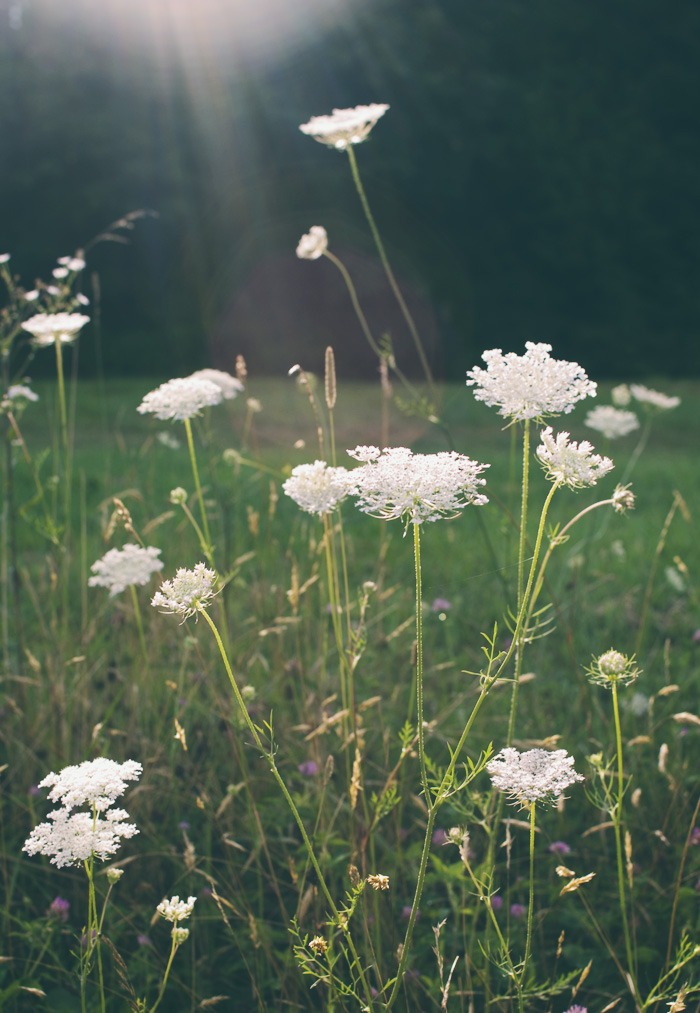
536	177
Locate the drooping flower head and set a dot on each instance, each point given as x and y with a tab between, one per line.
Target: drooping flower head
181	398
529	386
313	244
316	487
573	464
611	422
344	126
536	775
188	592
96	783
120	568
229	386
395	482
49	328
653	400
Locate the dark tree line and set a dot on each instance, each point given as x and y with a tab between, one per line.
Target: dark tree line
535	179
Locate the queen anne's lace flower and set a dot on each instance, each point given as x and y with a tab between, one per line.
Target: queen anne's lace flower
229	386
188	592
537	775
181	398
96	783
120	568
176	910
613	667
572	464
611	422
529	386
18	391
49	328
621	395
71	838
653	398
313	244
316	487
421	487
344	126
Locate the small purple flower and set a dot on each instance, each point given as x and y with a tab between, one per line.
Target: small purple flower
58	909
309	768
441	605
496	902
559	848
184	825
403	833
518	910
84	937
440	837
577	1009
330	607
143	940
34	791
695	836
406	912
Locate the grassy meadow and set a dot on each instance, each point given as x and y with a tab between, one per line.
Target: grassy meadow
85	676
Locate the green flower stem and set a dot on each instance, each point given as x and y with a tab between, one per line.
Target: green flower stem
206	548
139	623
617	820
497	927
528	941
295	812
93	924
173	950
198	531
387	269
523	509
62	400
419	667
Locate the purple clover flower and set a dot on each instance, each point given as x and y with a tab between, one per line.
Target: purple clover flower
309	768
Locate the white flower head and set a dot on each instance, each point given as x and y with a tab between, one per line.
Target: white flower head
622	499
180	935
613	667
316	487
536	775
344	126
529	386
573	464
49	328
82	299
176	910
75	264
18	391
395	482
611	422
120	568
313	244
96	783
4	257
229	386
188	592
71	838
60	272
621	395
653	399
32	295
181	398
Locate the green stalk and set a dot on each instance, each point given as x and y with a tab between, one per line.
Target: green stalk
290	802
528	942
206	548
139	623
617	819
419	667
388	271
173	950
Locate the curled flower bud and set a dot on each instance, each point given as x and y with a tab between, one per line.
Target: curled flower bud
313	244
622	499
179	934
319	945
178	496
612	667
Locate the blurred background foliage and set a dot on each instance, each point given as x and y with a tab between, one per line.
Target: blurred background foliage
535	179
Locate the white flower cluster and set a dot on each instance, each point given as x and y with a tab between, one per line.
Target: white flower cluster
70	838
120	568
229	386
529	386
536	775
316	487
18	391
49	328
573	464
344	126
613	667
188	592
395	482
181	398
653	399
175	911
313	243
611	422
